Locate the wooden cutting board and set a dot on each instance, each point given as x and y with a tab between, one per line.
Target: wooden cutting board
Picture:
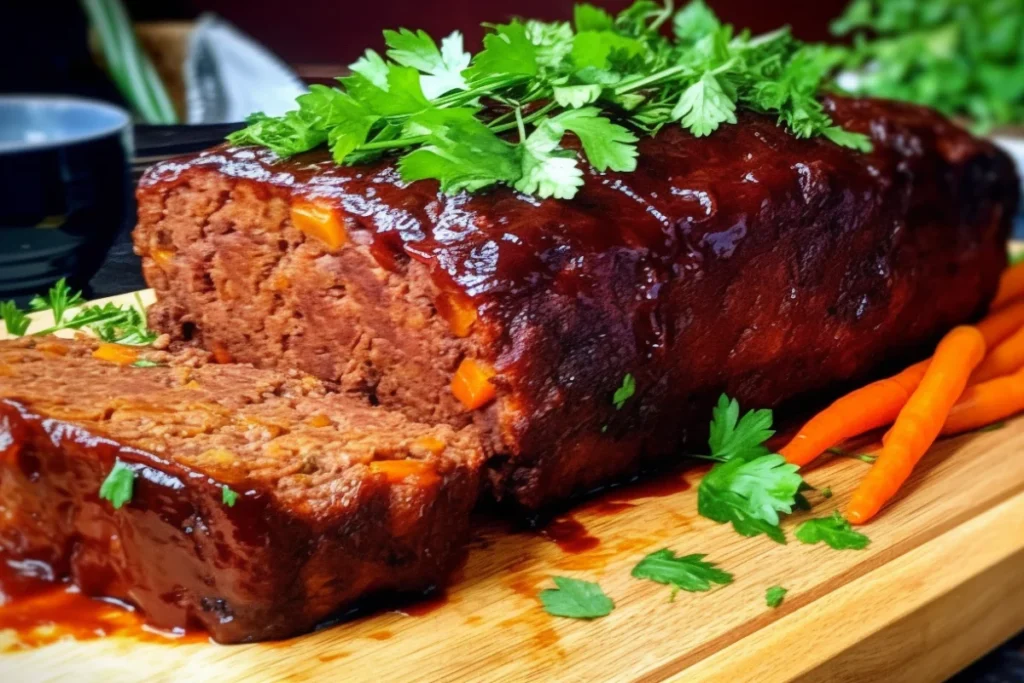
941	584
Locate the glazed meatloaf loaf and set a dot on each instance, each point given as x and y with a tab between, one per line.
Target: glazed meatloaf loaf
748	262
259	503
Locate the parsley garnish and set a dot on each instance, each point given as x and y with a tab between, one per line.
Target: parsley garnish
774	596
749	486
834	531
576	599
227	496
118	486
624	392
145	363
58	299
605	79
863	457
110	322
689	573
16	321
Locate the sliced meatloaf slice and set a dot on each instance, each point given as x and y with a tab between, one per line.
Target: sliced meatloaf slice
260	503
748	262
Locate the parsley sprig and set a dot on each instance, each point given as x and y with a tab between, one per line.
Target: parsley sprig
501	116
750	486
118	324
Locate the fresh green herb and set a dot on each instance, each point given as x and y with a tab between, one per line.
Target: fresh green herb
576	599
689	573
749	486
145	363
110	322
834	531
227	496
118	486
16	321
774	596
826	493
604	79
961	57
863	457
992	427
58	299
624	392
732	436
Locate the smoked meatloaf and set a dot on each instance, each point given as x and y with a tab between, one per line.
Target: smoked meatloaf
747	262
333	499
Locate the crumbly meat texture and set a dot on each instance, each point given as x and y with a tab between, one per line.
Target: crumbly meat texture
335	499
747	262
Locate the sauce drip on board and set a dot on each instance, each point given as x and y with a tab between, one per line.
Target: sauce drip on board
36	610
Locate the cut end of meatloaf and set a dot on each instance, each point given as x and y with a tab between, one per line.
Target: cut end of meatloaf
262	502
241	272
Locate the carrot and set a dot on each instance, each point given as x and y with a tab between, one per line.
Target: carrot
116	353
998	326
985	403
320	221
878	403
1004	359
471	383
1011	285
919	422
870	407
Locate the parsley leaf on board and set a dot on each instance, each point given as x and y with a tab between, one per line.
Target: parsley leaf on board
732	435
227	496
576	599
624	392
119	484
16	321
689	573
119	324
749	486
834	531
603	78
774	596
58	299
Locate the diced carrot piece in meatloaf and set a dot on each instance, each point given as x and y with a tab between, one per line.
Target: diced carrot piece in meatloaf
260	501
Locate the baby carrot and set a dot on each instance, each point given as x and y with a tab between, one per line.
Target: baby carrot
867	408
1011	285
1004	359
878	403
919	422
998	326
985	403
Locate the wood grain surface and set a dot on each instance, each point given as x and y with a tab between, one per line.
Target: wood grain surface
941	583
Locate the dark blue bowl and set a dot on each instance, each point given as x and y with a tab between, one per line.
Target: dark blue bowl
65	189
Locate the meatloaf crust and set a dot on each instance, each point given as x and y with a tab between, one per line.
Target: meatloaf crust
335	500
747	262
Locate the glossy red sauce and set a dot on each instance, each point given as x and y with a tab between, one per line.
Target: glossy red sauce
39	611
570	535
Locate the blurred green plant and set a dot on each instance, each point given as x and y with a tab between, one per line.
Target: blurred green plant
962	57
131	70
